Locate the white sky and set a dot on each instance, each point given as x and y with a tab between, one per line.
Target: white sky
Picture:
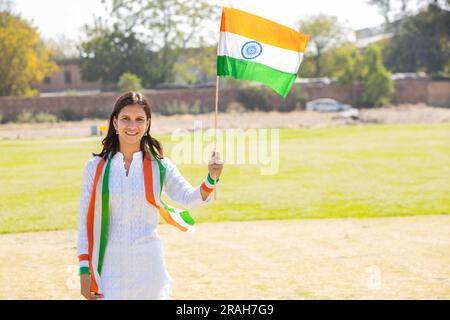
65	17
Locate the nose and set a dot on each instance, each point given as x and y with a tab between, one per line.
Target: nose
133	124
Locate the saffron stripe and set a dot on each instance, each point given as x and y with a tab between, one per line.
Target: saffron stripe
206	188
90	223
149	192
262	30
82	257
280	82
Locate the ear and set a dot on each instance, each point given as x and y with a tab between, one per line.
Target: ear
115	122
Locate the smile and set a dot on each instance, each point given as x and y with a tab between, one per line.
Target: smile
131	134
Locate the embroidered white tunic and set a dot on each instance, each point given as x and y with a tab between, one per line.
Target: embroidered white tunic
133	266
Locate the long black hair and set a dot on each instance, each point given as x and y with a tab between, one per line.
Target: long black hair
111	141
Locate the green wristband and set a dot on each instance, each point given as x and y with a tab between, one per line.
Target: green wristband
84	270
211	180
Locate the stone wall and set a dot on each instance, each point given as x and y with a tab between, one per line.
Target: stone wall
435	93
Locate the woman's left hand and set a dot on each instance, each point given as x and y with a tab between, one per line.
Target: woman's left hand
215	166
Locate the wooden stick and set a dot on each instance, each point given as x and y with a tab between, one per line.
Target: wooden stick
215	131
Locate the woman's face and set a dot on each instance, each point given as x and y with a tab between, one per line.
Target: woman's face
131	124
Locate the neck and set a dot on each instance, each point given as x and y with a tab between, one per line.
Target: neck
128	149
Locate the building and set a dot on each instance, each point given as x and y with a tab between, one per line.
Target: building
67	80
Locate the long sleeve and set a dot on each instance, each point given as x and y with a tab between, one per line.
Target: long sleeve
86	190
179	189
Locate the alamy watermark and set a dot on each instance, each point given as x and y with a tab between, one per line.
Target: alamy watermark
259	147
373	278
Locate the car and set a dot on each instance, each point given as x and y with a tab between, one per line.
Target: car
327	105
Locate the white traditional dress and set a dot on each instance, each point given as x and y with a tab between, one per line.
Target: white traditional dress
133	265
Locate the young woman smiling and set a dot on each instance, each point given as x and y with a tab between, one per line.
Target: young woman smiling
119	249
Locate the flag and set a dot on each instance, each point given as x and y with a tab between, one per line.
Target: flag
254	48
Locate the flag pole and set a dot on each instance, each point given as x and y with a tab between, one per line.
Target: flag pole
215	131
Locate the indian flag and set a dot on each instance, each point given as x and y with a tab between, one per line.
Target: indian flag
254	48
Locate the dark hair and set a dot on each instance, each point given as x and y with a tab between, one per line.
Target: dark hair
111	141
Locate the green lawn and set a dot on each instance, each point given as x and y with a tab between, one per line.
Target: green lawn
352	171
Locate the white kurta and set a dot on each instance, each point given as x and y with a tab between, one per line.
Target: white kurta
133	266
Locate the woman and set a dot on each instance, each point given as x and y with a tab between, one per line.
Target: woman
119	250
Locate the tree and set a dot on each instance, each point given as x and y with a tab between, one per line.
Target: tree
60	47
24	61
6	6
421	43
364	69
129	82
384	8
378	85
389	8
110	52
350	67
325	32
166	26
197	65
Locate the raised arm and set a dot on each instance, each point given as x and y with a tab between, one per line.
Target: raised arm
182	192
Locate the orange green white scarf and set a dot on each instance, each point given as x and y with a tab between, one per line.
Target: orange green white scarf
98	213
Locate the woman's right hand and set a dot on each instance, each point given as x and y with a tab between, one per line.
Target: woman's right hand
85	283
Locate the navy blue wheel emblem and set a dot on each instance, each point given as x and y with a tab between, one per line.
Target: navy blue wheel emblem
251	50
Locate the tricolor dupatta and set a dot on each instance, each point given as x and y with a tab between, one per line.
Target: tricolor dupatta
98	212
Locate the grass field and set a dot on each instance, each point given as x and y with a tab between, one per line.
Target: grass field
352	171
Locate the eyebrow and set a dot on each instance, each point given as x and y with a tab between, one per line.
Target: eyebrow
128	116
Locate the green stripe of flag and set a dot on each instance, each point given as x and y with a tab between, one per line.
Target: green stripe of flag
279	81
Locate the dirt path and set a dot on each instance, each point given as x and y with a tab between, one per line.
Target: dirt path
297	119
383	258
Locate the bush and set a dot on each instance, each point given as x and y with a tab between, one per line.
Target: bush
378	85
42	117
174	107
68	114
296	100
255	99
129	82
25	117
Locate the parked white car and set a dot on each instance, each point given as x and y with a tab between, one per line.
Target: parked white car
327	105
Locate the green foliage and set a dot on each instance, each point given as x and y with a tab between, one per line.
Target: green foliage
129	82
196	65
255	98
24	61
365	69
147	39
420	43
325	32
41	117
25	117
351	64
110	52
71	93
378	85
175	107
68	114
